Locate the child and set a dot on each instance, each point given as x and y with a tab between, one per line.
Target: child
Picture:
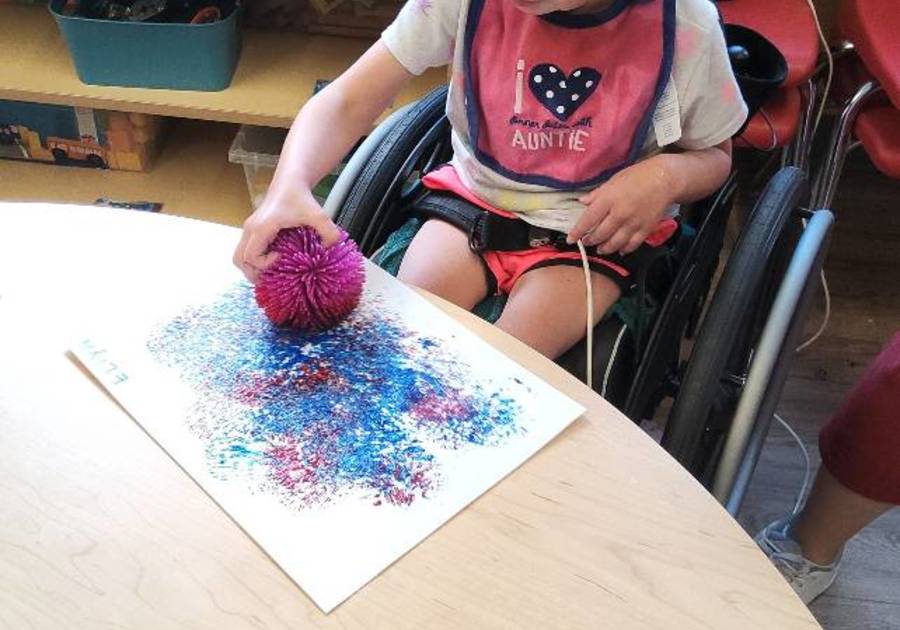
558	111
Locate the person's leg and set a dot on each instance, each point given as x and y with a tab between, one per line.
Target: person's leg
858	481
439	260
833	514
547	307
860	475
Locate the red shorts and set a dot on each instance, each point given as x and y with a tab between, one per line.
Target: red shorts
505	268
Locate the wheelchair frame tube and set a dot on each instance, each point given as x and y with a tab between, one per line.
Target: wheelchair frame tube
357	162
770	366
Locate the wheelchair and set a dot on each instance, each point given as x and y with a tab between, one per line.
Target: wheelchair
718	349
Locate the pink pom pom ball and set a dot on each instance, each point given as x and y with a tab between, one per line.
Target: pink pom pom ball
310	286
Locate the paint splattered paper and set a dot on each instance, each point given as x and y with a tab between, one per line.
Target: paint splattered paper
337	451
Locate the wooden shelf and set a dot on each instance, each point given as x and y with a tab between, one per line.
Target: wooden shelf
192	177
275	76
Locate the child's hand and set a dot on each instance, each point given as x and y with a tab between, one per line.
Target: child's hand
624	211
277	213
326	128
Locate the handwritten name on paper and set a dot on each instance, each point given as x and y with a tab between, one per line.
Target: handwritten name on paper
100	363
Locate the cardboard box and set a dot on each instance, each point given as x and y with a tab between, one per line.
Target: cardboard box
79	136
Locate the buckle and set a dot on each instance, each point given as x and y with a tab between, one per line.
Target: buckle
541	237
478	235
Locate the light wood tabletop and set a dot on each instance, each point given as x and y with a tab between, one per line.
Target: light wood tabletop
99	528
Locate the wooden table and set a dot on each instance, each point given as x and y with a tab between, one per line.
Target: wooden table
100	529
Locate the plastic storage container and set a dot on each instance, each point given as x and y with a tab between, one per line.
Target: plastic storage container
257	149
152	54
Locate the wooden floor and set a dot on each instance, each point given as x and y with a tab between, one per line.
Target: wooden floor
863	273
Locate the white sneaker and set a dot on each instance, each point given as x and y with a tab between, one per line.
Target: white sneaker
808	579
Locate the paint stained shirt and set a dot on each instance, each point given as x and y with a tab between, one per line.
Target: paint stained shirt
544	108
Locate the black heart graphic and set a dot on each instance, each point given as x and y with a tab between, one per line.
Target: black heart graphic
562	94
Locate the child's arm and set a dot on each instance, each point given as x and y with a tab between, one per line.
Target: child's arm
324	131
623	212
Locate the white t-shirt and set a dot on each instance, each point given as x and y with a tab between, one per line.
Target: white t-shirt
425	33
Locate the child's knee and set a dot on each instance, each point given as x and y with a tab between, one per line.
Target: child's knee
441	263
547	309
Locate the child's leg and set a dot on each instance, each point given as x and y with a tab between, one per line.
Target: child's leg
439	260
547	307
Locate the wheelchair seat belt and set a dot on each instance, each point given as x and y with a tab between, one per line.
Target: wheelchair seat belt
487	230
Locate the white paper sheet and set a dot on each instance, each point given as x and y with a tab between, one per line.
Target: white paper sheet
337	452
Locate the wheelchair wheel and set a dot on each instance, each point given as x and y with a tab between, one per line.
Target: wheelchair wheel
657	372
389	182
716	370
771	364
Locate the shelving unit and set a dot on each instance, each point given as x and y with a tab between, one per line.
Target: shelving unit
192	177
276	74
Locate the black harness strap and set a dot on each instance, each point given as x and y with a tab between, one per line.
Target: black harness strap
487	230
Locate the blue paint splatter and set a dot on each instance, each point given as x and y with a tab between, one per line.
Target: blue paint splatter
312	416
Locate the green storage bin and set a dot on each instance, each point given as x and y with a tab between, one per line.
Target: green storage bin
152	54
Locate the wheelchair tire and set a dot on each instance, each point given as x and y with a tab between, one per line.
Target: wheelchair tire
772	361
659	364
713	378
416	143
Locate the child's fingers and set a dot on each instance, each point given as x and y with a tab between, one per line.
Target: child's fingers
269	259
238	257
587	198
328	231
589	220
636	241
255	253
604	230
250	273
617	241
